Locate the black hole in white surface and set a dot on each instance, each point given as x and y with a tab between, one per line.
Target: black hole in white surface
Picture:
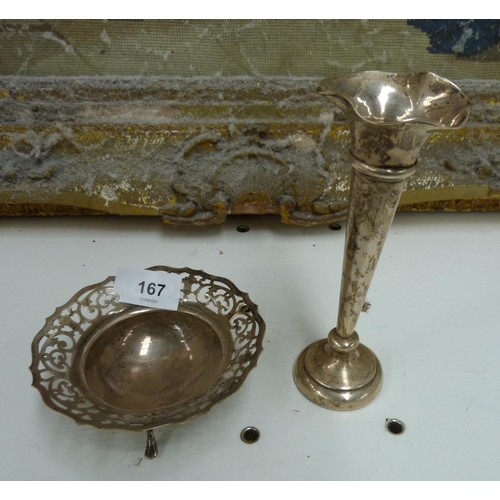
250	435
242	229
394	426
335	227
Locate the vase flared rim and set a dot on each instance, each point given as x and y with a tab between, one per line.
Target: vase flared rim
389	99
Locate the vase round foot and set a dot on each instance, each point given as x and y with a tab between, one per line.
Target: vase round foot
338	380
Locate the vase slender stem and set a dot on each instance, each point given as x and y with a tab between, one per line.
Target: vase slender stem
374	198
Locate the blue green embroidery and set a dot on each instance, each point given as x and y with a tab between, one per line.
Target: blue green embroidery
462	37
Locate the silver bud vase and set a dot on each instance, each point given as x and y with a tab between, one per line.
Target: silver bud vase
390	117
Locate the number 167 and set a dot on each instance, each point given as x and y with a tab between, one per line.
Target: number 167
151	288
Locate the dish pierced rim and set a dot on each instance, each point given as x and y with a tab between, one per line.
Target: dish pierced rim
56	346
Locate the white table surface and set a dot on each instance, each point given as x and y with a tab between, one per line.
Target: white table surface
434	324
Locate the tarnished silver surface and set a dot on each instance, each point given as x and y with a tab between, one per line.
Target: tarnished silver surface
390	117
380	106
119	366
374	203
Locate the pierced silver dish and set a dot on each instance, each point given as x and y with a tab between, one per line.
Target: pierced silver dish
120	366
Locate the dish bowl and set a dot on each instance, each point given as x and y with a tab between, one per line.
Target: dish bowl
120	366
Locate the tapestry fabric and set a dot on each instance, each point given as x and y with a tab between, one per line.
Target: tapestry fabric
455	49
